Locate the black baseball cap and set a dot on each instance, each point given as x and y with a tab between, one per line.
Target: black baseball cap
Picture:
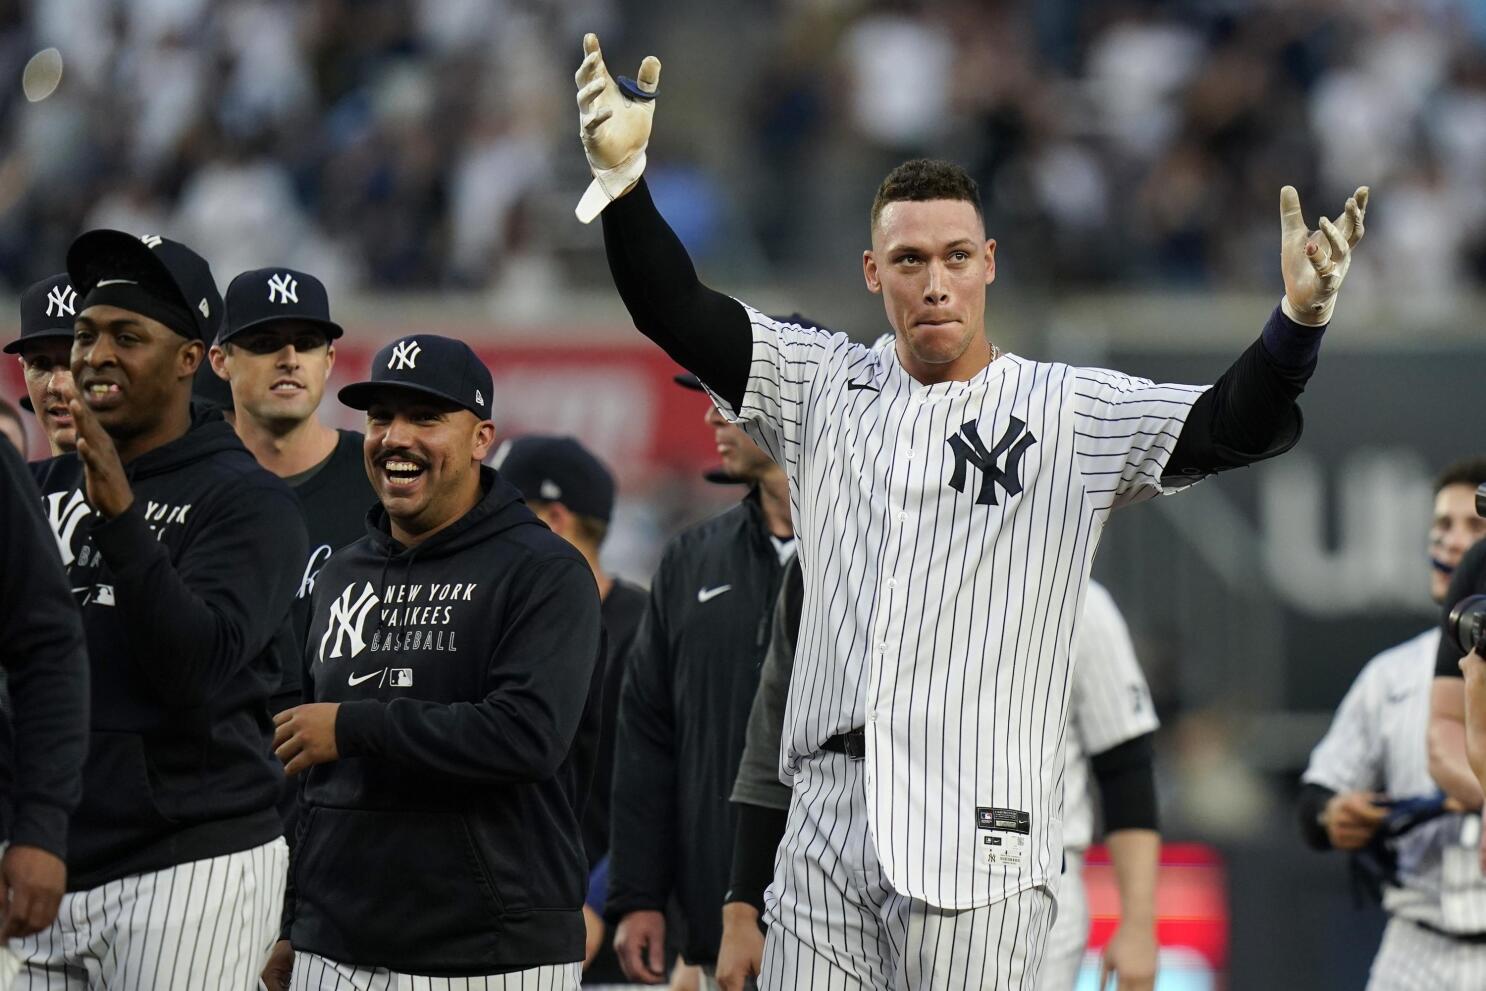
47	309
429	364
151	275
558	469
267	295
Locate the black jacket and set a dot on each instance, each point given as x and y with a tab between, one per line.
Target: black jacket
462	667
43	654
184	598
682	717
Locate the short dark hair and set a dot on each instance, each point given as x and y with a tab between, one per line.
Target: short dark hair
1466	471
926	179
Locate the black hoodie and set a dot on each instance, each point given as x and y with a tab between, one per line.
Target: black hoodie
445	840
184	598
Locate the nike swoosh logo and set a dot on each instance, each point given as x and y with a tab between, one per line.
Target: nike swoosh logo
115	282
353	681
854	386
708	594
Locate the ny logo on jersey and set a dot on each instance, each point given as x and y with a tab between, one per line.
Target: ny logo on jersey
404	355
347	619
64	511
283	289
61	301
968	449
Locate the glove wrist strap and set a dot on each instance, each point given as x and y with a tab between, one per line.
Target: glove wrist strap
1317	319
608	185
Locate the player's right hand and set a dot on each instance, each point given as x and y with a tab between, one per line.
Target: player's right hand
280	967
614	126
741	954
32	882
1352	817
640	944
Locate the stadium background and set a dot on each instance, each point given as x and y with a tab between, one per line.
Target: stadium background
421	157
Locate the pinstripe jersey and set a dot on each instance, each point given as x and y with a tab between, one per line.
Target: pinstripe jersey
946	533
1378	742
1109	705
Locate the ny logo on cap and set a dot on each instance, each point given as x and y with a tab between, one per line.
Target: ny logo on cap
404	355
283	289
152	240
61	301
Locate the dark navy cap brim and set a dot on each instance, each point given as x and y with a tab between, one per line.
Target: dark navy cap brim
333	331
688	381
360	395
14	347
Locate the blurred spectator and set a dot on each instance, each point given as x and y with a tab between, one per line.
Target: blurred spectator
416	144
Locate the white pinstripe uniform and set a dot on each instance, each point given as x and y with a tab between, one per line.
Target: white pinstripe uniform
1110	704
946	533
1378	742
204	924
312	971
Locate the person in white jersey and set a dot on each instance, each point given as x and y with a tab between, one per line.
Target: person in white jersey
948	500
1111	722
1371	770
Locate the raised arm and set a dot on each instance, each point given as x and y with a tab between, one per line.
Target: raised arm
703	330
1250	414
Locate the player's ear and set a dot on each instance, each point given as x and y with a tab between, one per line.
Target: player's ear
188	357
990	260
484	440
329	359
869	271
218	357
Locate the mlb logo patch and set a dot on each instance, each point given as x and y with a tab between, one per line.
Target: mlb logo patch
400	678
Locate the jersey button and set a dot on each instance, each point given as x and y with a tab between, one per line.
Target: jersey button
892	583
902	517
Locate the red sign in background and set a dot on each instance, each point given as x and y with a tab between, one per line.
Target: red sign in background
617	398
1191	902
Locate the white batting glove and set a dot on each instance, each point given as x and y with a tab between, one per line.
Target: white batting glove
1314	263
615	126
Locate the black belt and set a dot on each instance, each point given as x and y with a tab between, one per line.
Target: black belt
1473	938
852	743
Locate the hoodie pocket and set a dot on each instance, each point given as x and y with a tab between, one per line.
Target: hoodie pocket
353	867
116	784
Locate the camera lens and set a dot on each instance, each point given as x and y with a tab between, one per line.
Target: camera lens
1467	619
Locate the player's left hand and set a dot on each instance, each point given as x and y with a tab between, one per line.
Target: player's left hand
32	882
1314	263
1130	958
614	125
305	736
105	483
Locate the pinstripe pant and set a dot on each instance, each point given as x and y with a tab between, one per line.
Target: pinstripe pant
1069	940
313	972
203	924
836	925
1415	959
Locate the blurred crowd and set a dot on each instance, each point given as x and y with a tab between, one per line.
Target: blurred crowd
429	144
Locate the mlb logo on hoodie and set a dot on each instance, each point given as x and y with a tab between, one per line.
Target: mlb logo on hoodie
400	678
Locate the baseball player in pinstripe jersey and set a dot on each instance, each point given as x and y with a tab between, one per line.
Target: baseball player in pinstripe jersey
1371	770
1111	721
948	500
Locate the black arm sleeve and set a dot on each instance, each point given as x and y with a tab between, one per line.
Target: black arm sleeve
1126	775
702	330
1312	802
45	656
1469	579
1247	416
760	831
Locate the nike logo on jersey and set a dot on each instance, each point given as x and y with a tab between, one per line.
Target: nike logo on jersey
708	594
353	680
854	386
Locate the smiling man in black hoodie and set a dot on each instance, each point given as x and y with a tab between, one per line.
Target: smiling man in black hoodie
450	655
183	555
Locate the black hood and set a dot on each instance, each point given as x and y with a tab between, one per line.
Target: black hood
208	435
